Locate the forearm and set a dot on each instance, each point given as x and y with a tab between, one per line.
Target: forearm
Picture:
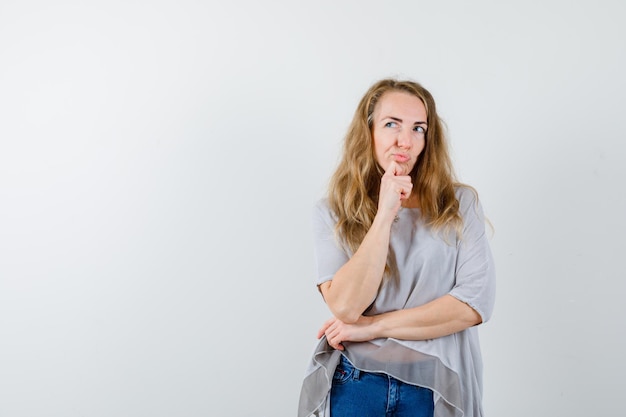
441	317
356	283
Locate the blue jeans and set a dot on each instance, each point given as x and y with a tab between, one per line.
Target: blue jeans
357	393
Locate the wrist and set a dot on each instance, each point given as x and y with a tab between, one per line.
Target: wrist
375	325
384	218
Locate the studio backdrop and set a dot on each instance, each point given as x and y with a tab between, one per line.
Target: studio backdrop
159	163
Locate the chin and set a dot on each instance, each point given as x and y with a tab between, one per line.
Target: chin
410	167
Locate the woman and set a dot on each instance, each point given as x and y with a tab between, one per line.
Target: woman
404	266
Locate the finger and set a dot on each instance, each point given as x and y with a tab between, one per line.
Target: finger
405	186
332	334
335	344
405	182
395	169
329	340
321	331
404	191
325	327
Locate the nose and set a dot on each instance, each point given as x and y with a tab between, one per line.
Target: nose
404	139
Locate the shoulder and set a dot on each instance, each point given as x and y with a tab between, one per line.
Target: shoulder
469	203
323	213
321	207
321	204
466	195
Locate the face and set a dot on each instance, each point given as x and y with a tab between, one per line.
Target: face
399	129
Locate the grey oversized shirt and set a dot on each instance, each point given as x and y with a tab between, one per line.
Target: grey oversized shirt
429	267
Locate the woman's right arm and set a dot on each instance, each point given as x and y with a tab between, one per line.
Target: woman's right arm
355	285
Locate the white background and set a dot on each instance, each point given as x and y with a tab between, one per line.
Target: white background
159	161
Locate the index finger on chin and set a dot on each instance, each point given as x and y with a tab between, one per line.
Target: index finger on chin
395	169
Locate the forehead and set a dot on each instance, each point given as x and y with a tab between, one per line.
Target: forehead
400	103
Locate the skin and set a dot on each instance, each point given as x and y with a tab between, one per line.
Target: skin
398	130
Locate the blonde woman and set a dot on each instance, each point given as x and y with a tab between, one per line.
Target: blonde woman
404	265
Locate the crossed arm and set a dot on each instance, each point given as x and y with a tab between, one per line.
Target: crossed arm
440	317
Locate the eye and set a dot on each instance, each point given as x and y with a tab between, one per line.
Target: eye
391	124
419	129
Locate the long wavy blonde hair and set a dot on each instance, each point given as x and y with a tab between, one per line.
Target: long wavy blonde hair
354	187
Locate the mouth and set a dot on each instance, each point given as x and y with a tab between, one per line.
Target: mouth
401	158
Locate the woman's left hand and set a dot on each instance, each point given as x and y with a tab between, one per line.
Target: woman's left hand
338	332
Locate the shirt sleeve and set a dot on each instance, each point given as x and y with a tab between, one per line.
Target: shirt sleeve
475	278
329	254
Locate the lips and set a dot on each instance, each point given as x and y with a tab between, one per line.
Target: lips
400	157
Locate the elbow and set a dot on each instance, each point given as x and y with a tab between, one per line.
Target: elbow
472	323
346	313
472	318
467	315
343	308
348	317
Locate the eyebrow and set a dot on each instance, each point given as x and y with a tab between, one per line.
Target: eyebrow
396	119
